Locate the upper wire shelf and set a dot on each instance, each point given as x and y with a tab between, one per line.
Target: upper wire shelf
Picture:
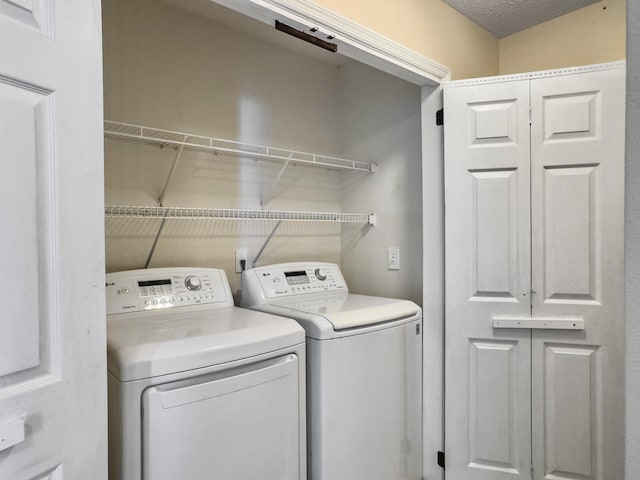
186	213
164	138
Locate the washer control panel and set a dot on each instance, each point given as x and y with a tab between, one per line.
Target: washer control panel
140	290
288	279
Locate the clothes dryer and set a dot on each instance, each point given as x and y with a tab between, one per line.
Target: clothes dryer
364	370
198	388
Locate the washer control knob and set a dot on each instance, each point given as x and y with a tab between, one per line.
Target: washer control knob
193	283
320	274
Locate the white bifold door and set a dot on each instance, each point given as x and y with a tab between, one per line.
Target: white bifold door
534	382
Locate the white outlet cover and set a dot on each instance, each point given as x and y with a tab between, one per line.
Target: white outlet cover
394	258
241	254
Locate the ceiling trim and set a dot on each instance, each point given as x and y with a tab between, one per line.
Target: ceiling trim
354	41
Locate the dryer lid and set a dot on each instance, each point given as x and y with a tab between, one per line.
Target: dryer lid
165	343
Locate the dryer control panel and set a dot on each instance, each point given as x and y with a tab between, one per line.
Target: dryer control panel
287	279
140	290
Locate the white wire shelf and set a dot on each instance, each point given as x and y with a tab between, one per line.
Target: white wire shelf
184	213
167	138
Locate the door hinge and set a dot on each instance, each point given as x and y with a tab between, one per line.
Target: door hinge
440	117
530	115
441	459
531	472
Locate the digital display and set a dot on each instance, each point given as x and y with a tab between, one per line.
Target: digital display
151	288
296	278
153	283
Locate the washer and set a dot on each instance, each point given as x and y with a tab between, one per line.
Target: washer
364	370
198	388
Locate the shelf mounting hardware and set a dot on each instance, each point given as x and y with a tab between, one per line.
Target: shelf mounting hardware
161	204
266	242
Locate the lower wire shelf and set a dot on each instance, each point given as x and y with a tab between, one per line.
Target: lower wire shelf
186	213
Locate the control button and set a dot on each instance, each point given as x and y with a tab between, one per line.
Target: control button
124	290
193	283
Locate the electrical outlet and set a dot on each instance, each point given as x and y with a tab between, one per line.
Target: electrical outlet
394	258
241	254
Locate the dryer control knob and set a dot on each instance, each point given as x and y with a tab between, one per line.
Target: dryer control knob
320	274
193	283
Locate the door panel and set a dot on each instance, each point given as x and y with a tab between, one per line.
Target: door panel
493	393
25	185
494	240
569	242
52	330
570	116
572	375
36	14
577	163
487	394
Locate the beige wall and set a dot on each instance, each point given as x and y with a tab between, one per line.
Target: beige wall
593	34
170	69
431	28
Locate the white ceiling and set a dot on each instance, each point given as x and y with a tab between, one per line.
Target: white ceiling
504	17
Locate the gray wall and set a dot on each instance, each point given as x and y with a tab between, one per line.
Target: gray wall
632	242
380	118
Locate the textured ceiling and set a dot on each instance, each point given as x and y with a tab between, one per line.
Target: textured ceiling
504	17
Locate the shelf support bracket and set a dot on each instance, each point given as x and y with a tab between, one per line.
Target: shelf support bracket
266	242
277	179
171	174
161	202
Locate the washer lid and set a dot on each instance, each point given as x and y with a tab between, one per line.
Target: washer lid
330	315
164	343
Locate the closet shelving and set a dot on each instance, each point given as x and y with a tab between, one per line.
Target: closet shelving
185	141
165	138
183	213
181	141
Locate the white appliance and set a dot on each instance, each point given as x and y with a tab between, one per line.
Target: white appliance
364	370
198	388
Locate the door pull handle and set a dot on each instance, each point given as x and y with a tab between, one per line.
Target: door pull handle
538	323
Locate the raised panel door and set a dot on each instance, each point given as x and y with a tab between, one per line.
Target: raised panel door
52	327
487	372
577	166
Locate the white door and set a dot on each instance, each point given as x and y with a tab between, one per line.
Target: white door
549	397
488	272
577	170
52	327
